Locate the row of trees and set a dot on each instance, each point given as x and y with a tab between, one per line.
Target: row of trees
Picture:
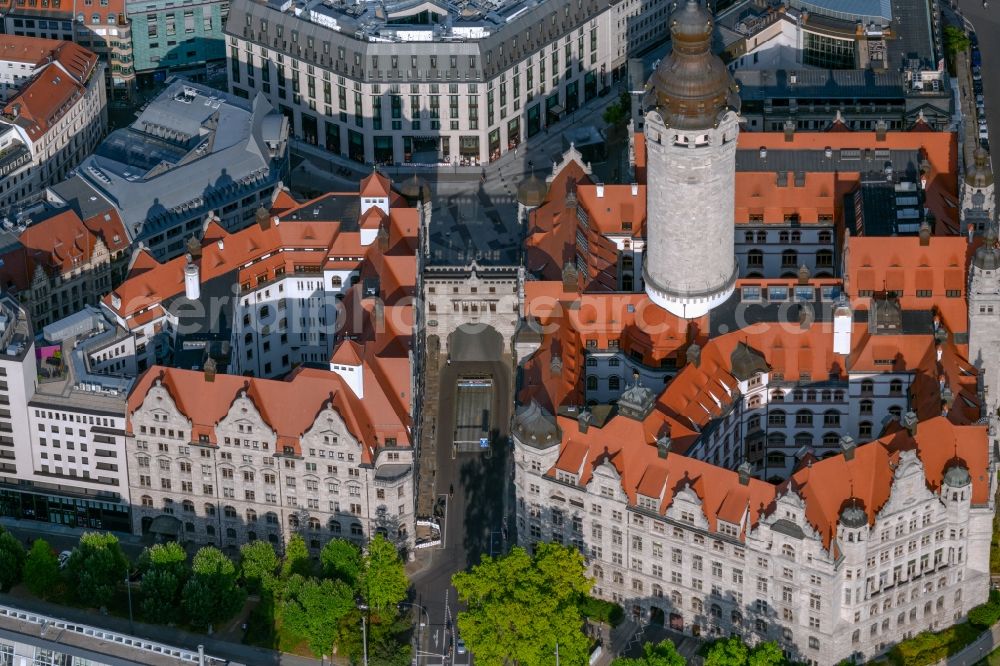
318	604
520	607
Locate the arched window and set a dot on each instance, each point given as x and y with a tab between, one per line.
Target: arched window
314	524
676	599
598	573
271	518
803	439
591	383
777	396
230	532
273	538
761	236
187	506
803	417
265	311
826	237
335	526
336	281
229	511
797	395
748	236
754	401
789	258
775	459
776	418
209	509
251	536
811	395
895	412
697	605
831	418
796	236
657	590
251	516
755	259
838	396
866	406
896	387
248	339
788	551
147	500
753	423
865	429
189	527
356	529
826	395
210	530
715	610
614	383
293	521
831	439
867	387
775	439
782	236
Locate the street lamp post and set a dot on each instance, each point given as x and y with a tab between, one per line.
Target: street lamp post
128	591
420	625
364	632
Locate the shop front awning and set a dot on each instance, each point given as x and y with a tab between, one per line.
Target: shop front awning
556	109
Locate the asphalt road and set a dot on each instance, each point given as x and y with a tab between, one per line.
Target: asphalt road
473	514
986	23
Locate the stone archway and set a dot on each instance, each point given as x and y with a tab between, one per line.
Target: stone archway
476	343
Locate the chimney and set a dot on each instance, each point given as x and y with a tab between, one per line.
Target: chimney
379	315
847	447
910	422
210	370
763	153
383	239
663	445
263	219
789	131
221	243
600	190
925	233
192	280
635	189
694	354
193	247
881	130
583	419
806	316
744	471
570	278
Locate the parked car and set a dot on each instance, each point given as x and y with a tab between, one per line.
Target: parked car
984	133
973	38
977	87
977	58
460	646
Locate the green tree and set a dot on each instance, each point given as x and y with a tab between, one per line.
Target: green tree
619	113
388	643
296	558
97	566
41	570
955	40
258	565
211	594
313	609
728	652
165	572
520	606
12	558
661	654
383	576
341	560
766	654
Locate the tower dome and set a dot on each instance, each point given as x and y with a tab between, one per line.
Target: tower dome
956	474
691	86
987	257
852	514
980	175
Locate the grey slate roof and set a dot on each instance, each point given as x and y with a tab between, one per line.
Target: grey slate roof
188	143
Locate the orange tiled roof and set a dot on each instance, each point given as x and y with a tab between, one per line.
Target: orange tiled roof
289	406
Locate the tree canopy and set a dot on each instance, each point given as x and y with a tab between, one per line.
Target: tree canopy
661	654
12	557
296	558
383	576
341	560
165	570
313	609
258	565
520	606
41	569
97	566
734	652
211	594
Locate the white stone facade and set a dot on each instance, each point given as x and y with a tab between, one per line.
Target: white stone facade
247	486
689	264
922	565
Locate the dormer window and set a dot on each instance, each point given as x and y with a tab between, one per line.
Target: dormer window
728	529
566	477
648	503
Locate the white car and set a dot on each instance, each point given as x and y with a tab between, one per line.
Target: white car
984	133
460	647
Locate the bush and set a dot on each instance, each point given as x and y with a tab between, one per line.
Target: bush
599	610
928	648
988	614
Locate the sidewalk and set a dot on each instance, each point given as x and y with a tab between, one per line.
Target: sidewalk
234	652
976	651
